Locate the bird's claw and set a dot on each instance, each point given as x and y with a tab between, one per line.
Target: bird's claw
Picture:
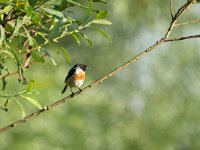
72	95
80	91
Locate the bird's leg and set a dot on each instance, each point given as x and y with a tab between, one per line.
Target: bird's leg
80	90
72	95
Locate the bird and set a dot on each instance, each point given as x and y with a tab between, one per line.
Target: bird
75	77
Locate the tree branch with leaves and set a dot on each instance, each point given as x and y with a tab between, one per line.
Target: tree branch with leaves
166	38
28	28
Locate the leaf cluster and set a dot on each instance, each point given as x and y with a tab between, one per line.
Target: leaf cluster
29	27
22	94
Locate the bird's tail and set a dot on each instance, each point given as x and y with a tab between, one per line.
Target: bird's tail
64	89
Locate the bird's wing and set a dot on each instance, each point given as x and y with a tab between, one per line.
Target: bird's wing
70	73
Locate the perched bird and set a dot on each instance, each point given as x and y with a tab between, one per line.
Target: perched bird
75	77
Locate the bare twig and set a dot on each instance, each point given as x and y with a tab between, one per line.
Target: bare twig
182	38
176	16
113	72
186	23
171	10
9	74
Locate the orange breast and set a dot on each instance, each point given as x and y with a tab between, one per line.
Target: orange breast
79	76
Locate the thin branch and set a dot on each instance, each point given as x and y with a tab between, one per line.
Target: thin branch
171	10
186	23
9	74
113	72
17	71
81	27
182	38
95	83
176	16
39	5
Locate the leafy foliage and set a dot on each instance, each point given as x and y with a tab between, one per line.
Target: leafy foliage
23	94
27	26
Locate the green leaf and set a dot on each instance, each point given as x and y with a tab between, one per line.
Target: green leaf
55	32
63	5
21	106
53	47
87	39
6	9
22	92
49	55
30	92
103	33
32	101
76	38
66	55
36	18
2	30
32	2
33	92
100	1
101	21
31	43
16	58
30	86
75	3
10	54
54	12
17	26
102	14
29	11
37	58
3	1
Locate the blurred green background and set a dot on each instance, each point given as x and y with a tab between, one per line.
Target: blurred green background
153	104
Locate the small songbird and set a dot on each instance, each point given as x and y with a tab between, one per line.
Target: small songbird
75	77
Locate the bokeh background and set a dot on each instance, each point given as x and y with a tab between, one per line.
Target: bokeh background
153	104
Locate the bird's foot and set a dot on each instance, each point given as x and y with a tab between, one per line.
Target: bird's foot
80	91
72	95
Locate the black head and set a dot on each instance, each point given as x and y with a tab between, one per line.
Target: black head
82	66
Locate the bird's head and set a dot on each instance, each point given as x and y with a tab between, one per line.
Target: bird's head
82	66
